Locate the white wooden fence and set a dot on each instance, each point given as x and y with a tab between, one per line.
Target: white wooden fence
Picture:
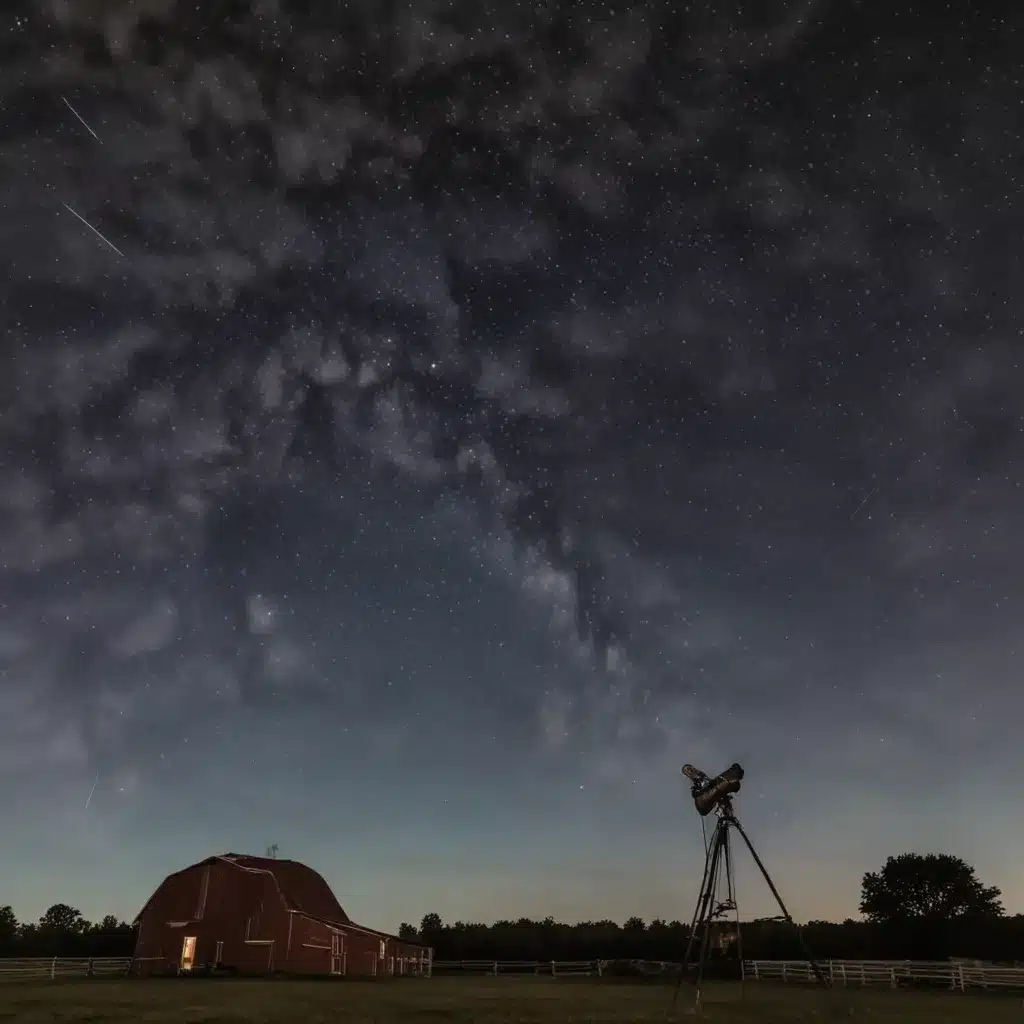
893	973
554	968
54	967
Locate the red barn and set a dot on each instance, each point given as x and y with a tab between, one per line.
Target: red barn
255	915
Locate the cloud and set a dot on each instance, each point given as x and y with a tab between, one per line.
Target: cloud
628	317
554	715
35	733
151	631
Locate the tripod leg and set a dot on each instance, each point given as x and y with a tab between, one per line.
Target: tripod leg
818	973
684	967
707	906
703	912
730	882
707	888
711	907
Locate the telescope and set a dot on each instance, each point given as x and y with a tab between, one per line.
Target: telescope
715	794
709	793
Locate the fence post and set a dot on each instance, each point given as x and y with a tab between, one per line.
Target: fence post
494	969
53	969
88	968
783	971
960	972
599	968
552	968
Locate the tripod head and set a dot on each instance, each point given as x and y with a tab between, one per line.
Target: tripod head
710	793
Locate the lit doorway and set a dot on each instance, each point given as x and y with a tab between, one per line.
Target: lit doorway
188	952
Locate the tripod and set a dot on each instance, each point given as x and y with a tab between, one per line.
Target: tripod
718	863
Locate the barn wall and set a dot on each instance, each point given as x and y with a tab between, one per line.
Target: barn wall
312	944
408	958
382	956
310	951
360	953
363	954
242	910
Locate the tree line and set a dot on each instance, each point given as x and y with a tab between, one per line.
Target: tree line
63	931
922	907
918	906
999	940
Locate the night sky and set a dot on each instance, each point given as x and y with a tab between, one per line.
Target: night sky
474	413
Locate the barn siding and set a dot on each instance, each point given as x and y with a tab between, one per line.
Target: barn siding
311	946
362	954
242	910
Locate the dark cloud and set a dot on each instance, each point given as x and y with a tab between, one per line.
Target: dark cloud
688	331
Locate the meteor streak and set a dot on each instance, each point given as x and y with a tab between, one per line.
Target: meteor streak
93	230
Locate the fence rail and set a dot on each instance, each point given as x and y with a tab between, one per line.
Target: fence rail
52	968
893	973
554	968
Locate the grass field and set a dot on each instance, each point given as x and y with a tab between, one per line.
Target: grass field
484	1000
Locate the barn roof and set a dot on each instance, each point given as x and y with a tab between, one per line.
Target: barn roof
303	889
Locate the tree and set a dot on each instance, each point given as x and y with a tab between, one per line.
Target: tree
926	887
408	932
431	930
62	919
431	924
8	928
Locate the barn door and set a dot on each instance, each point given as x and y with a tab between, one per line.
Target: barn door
188	952
336	952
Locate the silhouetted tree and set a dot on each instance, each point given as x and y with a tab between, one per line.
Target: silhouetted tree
935	887
660	938
634	936
8	931
29	943
60	919
430	929
927	906
408	932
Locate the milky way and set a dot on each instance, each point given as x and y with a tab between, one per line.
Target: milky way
671	364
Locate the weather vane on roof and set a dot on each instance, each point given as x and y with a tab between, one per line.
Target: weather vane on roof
272	851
